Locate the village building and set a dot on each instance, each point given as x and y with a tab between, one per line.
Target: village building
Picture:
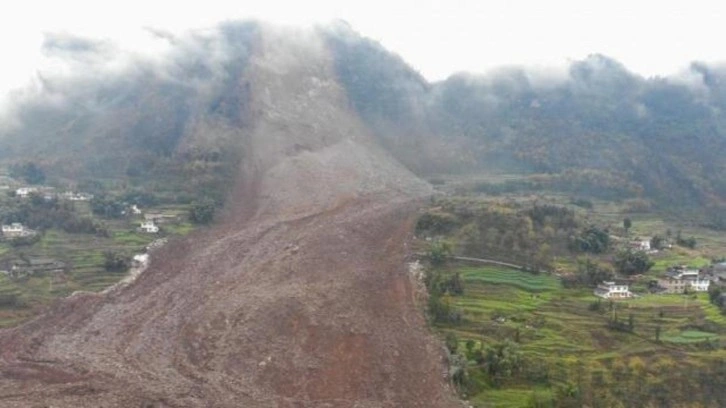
24	192
73	196
161	218
613	290
641	245
149	227
682	280
16	230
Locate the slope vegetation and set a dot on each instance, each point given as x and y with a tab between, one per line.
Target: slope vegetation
594	128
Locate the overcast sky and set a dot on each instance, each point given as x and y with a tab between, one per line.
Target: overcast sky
436	37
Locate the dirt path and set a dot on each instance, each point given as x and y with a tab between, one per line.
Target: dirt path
300	299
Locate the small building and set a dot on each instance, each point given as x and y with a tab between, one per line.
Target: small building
641	245
613	290
24	192
682	280
135	210
73	196
16	230
149	227
161	217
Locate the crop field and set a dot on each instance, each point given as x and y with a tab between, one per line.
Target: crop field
552	324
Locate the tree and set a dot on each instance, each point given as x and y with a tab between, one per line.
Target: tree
29	172
457	369
629	262
455	285
627	223
107	206
470	344
631	322
592	239
590	273
689	242
452	342
115	262
202	211
714	295
502	360
657	242
440	251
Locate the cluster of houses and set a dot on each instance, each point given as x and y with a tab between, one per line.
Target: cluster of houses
18	230
49	193
680	279
677	280
149	225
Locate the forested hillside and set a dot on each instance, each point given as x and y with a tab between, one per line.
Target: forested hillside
596	128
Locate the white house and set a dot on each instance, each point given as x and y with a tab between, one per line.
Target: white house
641	245
149	227
135	210
700	285
15	230
23	192
612	290
73	196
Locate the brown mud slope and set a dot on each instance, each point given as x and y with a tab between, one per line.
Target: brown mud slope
300	299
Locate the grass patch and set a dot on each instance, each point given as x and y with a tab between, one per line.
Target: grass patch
690	336
510	397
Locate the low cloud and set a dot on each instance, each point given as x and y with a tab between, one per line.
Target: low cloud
86	72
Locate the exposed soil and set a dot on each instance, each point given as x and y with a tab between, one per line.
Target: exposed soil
299	298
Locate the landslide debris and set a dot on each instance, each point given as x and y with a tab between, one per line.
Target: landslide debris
298	298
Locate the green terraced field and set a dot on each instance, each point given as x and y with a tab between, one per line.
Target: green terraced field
499	275
554	324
